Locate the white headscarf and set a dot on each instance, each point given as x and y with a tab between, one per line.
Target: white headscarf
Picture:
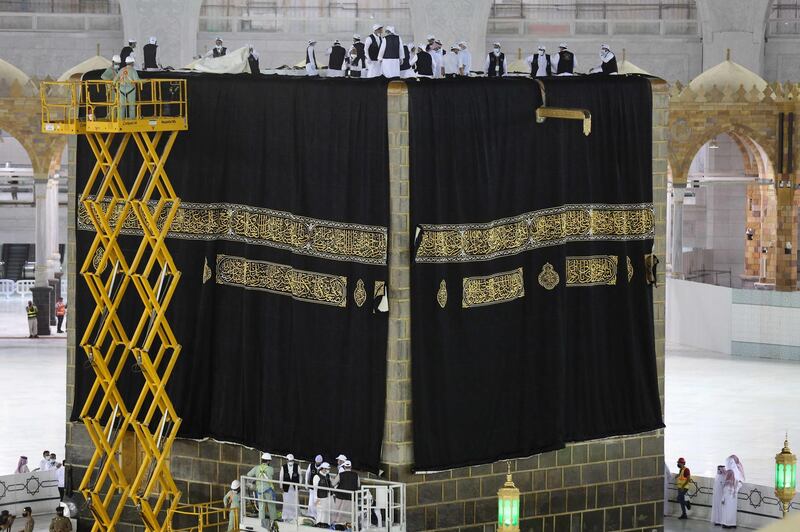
735	471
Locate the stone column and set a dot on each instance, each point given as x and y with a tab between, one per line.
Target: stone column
173	22
42	292
54	258
786	259
453	21
735	24
677	231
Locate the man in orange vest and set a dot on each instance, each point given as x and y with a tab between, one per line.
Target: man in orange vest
682	480
61	310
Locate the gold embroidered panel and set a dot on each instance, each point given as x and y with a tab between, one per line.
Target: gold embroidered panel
326	239
492	289
592	270
282	279
533	230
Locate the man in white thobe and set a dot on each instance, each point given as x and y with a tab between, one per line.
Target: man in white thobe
734	478
564	61
321	484
373	48
716	498
539	63
390	53
438	59
290	472
311	59
312	497
450	64
464	59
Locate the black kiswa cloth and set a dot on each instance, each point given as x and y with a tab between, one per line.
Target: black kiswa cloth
271	371
511	378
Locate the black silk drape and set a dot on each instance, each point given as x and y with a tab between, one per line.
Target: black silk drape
532	321
269	159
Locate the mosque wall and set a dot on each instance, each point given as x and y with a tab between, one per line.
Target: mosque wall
610	484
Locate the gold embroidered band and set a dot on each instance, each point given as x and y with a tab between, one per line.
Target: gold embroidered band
282	279
533	230
592	270
326	239
492	289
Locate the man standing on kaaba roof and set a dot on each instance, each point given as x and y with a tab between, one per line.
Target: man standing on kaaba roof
373	48
389	53
311	59
336	57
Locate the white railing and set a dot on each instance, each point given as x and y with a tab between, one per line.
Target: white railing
55	22
319	25
24	287
8	288
382	500
500	27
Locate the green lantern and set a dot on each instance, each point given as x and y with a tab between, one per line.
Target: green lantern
508	505
785	476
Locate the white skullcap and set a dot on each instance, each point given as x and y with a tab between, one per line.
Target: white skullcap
129	59
356	36
431	37
325	465
347	463
390	29
131	40
497	45
266	456
462	42
217	38
341	457
562	45
235	485
541	47
153	40
336	42
116	59
454	47
376	27
318	458
311	41
605	46
290	457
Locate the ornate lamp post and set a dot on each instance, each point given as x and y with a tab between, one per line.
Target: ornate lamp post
508	505
785	476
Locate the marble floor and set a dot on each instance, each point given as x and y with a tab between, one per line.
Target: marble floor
717	405
33	373
672	524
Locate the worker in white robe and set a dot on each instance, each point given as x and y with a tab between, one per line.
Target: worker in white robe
734	478
564	61
290	472
407	65
608	62
311	59
372	49
438	54
716	498
450	62
324	498
464	59
539	63
312	498
390	53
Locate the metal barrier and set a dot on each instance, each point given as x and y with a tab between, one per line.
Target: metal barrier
99	106
210	515
8	288
378	500
24	287
148	104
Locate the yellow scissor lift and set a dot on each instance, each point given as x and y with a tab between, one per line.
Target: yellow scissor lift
146	202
